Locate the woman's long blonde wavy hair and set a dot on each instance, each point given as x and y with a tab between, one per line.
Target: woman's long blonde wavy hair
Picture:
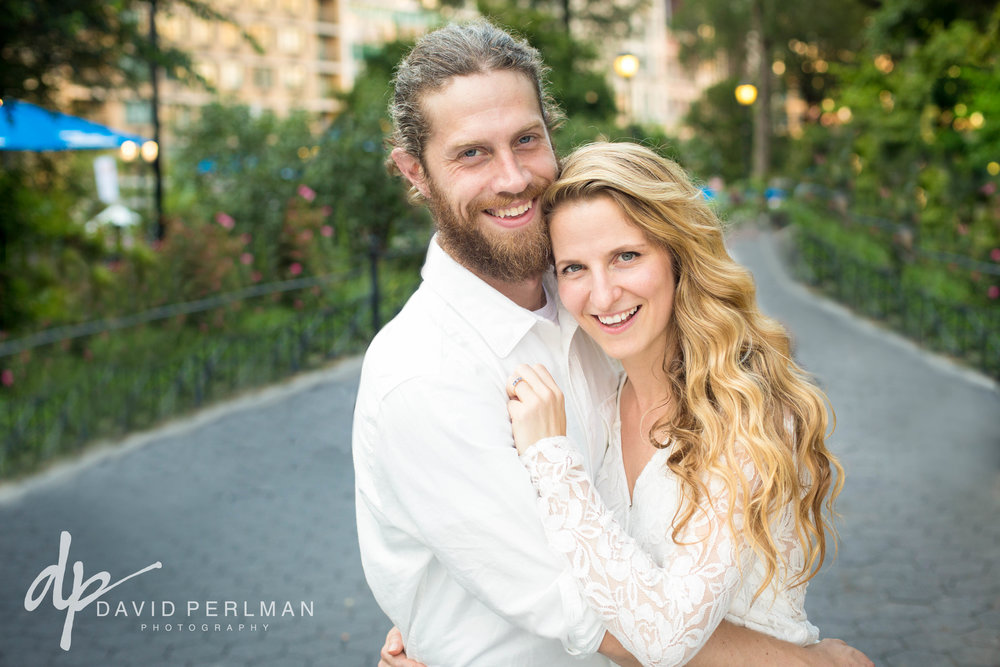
737	391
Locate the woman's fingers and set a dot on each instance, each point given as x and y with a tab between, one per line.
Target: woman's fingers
544	376
528	382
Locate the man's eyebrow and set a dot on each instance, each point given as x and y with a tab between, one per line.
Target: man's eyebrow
465	144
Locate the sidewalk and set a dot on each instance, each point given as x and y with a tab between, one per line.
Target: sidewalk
253	502
917	579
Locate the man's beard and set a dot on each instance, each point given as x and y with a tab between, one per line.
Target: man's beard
509	256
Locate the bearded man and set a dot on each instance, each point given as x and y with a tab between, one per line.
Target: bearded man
450	539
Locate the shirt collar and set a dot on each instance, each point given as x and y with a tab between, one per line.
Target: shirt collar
501	322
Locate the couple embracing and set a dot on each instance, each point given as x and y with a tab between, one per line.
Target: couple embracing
580	440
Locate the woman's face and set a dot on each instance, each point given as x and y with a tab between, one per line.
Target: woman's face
616	282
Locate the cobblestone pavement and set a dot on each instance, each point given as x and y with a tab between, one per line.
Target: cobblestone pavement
251	503
917	579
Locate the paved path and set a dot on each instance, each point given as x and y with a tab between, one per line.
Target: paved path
917	581
252	503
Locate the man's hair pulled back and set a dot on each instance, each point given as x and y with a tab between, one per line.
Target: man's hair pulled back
463	49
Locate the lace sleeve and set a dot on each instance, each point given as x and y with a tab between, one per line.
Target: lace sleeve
662	615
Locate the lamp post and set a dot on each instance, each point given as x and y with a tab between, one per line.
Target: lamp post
626	66
746	95
153	156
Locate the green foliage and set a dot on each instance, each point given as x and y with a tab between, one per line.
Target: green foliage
368	204
924	127
46	257
577	81
95	43
721	133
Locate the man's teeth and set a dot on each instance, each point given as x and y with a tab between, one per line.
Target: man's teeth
620	317
510	212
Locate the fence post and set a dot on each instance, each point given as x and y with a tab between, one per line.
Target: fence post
374	295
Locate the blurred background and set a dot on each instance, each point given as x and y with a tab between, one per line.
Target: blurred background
235	223
194	204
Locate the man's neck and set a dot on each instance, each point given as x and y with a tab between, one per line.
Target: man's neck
528	294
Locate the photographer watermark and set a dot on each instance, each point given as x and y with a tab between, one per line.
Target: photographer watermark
191	616
79	599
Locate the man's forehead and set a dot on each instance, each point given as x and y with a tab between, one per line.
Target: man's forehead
457	108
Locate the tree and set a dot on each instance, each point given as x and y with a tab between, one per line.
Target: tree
749	36
95	43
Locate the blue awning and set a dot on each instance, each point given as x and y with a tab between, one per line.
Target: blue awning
26	127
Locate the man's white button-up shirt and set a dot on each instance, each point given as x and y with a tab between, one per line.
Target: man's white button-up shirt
450	536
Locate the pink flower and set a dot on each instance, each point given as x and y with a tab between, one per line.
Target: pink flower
246	258
327	231
298	304
988	189
295	269
7	377
306	235
245	237
995	254
256	276
963	229
307	192
225	220
993	292
326	211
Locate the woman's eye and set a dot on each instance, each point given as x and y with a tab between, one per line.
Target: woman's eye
628	256
570	268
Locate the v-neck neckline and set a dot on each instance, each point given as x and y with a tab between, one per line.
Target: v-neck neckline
629	492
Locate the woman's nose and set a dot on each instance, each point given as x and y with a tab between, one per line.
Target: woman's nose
605	292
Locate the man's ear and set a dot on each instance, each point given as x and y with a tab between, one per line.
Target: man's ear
411	168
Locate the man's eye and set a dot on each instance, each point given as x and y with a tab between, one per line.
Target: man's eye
472	152
526	139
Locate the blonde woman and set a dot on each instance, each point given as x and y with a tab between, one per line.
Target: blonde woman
716	478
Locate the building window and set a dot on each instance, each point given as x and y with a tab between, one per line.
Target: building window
289	40
201	32
138	112
264	35
230	35
263	78
208	72
231	76
293	77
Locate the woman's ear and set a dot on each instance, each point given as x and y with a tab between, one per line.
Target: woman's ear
412	170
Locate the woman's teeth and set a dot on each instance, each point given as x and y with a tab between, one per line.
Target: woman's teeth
615	319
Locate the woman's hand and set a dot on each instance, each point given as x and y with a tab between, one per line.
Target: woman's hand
536	406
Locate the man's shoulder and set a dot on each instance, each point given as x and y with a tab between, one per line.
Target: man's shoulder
426	341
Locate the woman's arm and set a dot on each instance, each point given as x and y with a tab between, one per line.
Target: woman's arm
662	615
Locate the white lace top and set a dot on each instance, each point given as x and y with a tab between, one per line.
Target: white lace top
660	599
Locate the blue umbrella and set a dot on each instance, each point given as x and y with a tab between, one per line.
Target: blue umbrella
26	127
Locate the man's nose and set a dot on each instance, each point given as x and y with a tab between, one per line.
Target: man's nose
511	175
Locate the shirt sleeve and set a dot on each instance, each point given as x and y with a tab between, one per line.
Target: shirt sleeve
662	615
445	451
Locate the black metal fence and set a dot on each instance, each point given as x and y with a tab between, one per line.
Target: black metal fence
131	389
968	332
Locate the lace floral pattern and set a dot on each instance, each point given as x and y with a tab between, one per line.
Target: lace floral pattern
662	614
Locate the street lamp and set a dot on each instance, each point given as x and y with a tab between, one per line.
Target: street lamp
746	94
626	66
